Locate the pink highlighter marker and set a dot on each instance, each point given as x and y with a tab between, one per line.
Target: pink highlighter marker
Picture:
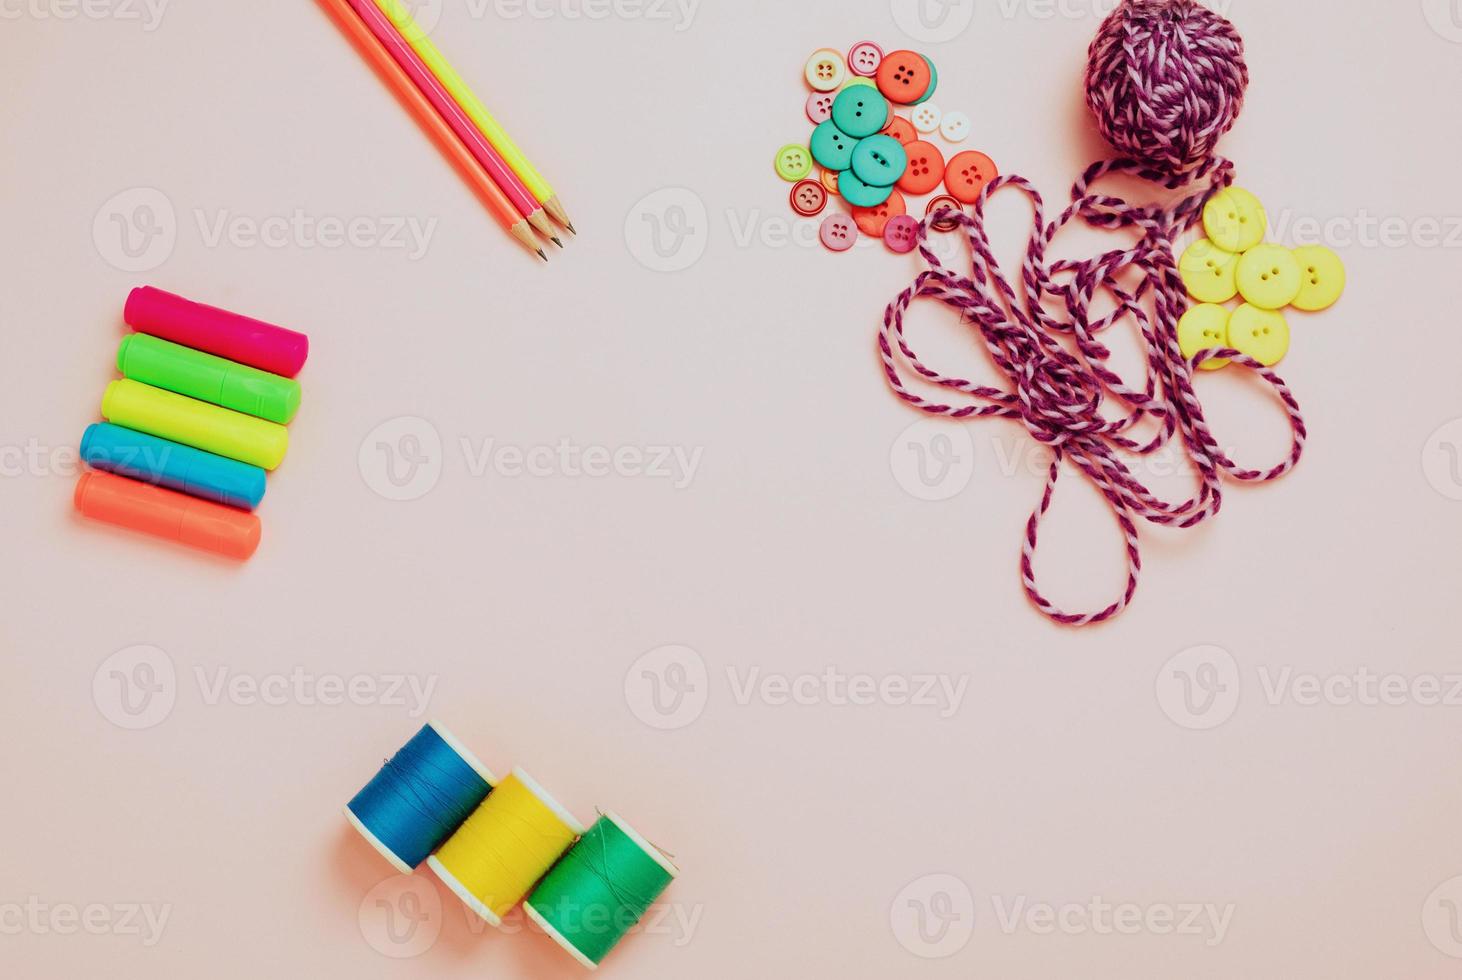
207	328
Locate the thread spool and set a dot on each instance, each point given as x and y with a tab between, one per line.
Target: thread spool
505	847
420	797
600	890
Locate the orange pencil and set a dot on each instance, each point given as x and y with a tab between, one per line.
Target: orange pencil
395	76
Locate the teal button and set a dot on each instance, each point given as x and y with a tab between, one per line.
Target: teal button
879	161
831	147
933	82
860	111
859	194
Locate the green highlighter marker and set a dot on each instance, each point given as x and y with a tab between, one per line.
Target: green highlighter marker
163	364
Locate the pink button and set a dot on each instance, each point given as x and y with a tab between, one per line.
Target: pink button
864	58
820	106
838	232
901	234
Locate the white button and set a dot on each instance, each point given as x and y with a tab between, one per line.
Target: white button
926	117
955	127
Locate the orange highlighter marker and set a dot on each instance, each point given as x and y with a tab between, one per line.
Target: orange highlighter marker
167	514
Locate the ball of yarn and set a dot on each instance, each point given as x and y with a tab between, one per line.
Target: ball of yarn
1166	80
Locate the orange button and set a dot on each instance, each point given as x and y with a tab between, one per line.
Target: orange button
829	180
871	221
925	169
901	129
904	77
967	175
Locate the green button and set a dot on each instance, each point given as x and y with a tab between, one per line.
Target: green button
933	82
879	161
793	162
859	194
860	112
831	147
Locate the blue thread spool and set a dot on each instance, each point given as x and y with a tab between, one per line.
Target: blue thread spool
420	797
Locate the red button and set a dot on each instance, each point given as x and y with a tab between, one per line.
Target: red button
901	129
925	170
871	221
904	77
939	203
967	175
808	198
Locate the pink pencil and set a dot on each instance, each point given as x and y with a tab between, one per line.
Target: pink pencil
450	111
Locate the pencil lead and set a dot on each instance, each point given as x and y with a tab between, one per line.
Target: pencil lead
570	225
541	255
556	240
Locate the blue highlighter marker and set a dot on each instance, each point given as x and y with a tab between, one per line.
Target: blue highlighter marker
149	459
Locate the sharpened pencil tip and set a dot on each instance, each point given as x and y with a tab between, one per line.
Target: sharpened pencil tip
556	240
570	225
542	255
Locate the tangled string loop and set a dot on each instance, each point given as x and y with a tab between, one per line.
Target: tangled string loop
1059	385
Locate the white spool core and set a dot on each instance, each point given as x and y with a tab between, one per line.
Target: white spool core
375	842
558	937
460	890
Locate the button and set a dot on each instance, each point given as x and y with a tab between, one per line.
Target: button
1322	278
879	161
925	170
809	198
901	129
831	147
926	117
1262	334
860	111
1234	220
1204	327
1269	277
901	234
859	194
864	58
829	180
852	80
793	162
872	221
904	77
820	106
955	127
933	82
940	203
967	175
838	232
825	70
1209	272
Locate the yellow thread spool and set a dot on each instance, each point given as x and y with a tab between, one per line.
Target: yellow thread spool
509	842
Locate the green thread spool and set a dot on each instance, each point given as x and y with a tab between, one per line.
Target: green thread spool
600	889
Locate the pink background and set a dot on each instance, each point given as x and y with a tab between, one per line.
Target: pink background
808	830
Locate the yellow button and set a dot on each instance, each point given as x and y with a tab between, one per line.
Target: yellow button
1322	278
1204	327
1269	277
1262	334
1234	220
1209	272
